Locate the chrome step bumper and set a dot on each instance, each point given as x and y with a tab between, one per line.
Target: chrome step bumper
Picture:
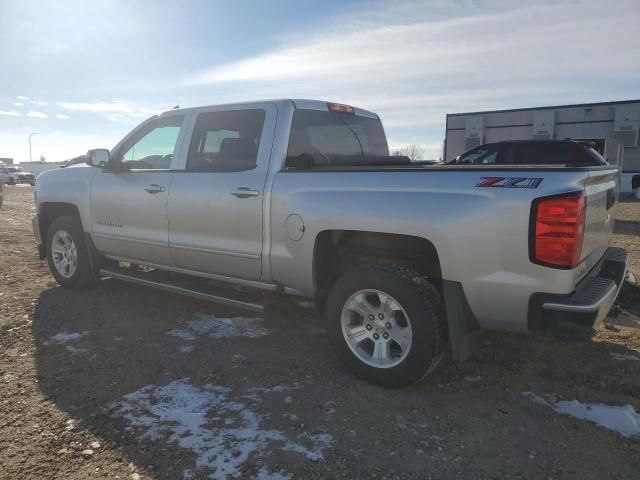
596	294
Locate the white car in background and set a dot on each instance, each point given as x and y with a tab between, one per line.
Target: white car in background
14	175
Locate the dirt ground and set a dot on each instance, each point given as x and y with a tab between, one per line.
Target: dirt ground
124	382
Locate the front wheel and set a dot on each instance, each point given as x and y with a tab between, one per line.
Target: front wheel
68	256
385	323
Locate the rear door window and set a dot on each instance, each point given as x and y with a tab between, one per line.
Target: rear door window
226	141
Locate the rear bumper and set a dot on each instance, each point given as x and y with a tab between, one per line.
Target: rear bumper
590	302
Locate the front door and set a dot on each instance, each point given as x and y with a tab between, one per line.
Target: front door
129	201
216	201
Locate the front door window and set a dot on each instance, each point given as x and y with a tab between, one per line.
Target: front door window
153	146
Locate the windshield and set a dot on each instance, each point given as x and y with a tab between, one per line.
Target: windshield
481	155
593	154
336	134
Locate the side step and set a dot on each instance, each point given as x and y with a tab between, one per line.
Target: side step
183	285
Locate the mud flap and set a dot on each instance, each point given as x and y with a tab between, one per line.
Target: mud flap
95	259
463	325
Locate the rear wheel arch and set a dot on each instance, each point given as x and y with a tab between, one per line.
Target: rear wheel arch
337	251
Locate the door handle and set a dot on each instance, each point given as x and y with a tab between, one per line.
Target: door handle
245	192
154	188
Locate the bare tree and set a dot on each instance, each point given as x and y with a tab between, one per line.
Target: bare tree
43	158
413	151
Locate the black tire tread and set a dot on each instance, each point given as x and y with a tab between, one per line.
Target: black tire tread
429	297
84	276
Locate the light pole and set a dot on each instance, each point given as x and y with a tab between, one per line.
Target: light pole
34	133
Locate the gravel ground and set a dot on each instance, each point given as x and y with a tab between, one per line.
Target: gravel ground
123	382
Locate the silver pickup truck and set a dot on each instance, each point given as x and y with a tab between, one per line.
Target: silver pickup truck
301	197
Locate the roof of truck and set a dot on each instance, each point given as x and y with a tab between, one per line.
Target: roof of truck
298	103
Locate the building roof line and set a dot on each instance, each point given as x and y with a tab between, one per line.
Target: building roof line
552	107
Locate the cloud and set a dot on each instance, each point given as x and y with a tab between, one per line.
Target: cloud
18	104
62	116
22	97
39	103
110	108
10	113
511	44
37	114
413	67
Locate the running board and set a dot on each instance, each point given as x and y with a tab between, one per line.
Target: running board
137	278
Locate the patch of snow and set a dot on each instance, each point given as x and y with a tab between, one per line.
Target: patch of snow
74	350
277	388
66	337
264	474
622	419
186	349
222	433
625	356
215	327
254	396
306	304
315	455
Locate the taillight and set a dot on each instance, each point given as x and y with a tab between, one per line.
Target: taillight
340	108
557	230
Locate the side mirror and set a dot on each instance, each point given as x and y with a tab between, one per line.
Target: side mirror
98	157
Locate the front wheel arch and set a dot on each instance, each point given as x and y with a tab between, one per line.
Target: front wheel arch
84	273
49	211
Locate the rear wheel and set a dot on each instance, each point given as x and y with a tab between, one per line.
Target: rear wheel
68	257
385	324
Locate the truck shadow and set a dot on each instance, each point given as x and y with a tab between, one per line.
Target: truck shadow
99	350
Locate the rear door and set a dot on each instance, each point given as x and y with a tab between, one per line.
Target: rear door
216	200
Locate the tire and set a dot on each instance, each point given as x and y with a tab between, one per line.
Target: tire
421	309
79	275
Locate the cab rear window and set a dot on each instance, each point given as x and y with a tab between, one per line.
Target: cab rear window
335	134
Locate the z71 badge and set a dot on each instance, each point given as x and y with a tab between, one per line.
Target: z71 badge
509	182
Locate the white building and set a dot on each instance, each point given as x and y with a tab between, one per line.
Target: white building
38	167
613	126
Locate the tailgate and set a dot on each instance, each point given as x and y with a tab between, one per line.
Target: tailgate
601	190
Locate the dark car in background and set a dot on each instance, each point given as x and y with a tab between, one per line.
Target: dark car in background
533	152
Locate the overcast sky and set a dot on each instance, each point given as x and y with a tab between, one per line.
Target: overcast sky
84	73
